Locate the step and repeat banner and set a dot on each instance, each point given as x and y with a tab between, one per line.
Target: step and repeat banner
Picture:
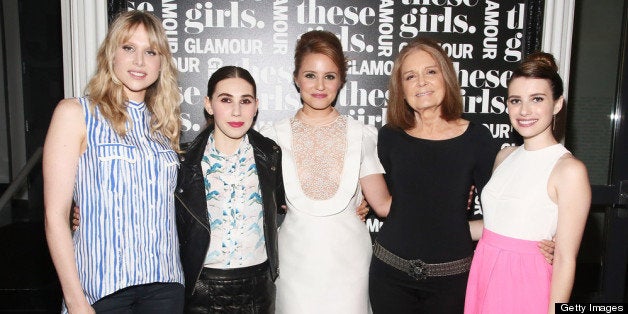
485	40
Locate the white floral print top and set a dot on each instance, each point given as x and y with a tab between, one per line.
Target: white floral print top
234	205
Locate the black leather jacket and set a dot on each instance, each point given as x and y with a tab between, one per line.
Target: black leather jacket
191	206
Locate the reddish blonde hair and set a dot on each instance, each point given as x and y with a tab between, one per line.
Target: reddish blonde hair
399	113
322	42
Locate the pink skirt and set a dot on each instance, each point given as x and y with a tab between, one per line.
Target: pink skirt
507	275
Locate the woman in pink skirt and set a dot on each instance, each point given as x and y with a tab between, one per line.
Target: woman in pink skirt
537	191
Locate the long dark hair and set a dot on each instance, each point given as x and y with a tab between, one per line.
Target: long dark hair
226	72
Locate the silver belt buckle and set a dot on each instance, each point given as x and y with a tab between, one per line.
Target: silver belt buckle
417	270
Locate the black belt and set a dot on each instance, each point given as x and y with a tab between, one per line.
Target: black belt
234	273
417	268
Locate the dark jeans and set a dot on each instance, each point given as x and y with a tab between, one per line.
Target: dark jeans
241	290
158	298
393	291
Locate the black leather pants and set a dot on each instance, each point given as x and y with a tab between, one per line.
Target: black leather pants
240	290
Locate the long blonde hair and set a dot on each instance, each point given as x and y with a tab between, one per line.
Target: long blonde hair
162	98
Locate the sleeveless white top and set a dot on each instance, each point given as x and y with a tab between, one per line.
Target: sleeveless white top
515	200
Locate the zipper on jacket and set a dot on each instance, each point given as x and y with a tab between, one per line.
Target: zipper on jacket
208	231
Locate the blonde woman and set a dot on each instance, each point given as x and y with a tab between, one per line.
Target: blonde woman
113	153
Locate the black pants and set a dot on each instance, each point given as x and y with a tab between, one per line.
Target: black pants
393	291
241	290
159	297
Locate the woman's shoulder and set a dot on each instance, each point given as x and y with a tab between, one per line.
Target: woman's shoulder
367	128
475	127
69	109
271	130
503	154
569	167
67	124
69	104
259	139
388	129
478	132
390	135
570	176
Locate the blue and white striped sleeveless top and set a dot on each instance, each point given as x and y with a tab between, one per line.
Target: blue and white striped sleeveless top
125	190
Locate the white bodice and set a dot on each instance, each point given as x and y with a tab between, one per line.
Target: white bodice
515	200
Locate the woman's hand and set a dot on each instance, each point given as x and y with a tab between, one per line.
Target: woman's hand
470	199
547	249
76	218
362	210
83	307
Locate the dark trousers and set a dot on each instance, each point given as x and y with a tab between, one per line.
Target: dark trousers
158	298
393	291
241	290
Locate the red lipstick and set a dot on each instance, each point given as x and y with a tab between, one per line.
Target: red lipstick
235	124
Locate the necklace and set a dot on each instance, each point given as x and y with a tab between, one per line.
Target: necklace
317	121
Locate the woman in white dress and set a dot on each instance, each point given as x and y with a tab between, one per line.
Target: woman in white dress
328	162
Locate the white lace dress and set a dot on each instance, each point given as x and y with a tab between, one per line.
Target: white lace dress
324	248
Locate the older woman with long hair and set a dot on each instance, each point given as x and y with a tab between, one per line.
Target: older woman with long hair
432	157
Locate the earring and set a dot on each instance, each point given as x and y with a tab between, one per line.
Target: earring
554	123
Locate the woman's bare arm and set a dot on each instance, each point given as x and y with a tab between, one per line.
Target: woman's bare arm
64	144
376	192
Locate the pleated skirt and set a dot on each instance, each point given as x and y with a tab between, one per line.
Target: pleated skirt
507	275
